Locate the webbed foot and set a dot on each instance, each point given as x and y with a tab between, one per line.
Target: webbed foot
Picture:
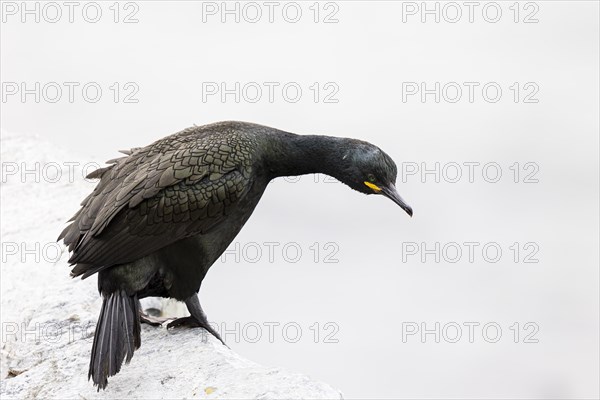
196	320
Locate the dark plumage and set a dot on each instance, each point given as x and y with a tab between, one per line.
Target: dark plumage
161	216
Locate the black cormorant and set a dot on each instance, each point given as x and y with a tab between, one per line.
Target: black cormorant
160	217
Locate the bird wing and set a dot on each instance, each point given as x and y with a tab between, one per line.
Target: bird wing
178	187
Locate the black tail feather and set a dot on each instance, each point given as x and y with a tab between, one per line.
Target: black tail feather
117	336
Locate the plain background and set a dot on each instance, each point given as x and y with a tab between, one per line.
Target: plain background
370	294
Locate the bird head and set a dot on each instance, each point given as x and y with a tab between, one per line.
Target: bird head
368	169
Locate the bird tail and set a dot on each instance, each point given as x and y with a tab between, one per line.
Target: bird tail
117	336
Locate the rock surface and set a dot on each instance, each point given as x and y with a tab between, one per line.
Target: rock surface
48	318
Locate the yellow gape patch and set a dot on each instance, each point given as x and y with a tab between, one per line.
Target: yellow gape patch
373	186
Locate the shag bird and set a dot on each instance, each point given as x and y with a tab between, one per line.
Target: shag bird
163	214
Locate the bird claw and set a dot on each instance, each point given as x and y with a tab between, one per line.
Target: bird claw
153	321
188	322
191	322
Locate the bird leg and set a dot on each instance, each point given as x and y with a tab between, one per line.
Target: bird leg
197	319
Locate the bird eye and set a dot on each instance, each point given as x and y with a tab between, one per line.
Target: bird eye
371	177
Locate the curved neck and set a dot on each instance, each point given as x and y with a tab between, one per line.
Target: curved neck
289	154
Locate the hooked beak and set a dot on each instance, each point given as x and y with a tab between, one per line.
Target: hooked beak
391	193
